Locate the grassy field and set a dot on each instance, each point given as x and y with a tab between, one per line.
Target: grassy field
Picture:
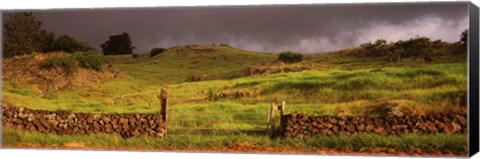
356	142
336	82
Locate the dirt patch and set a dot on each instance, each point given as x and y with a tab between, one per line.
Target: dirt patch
74	145
248	148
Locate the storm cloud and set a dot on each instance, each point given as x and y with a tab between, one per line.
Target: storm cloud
272	28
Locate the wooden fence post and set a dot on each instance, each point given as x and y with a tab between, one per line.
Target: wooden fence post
268	122
163	107
281	108
272	119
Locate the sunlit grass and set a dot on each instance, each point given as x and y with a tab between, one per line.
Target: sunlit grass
344	84
356	142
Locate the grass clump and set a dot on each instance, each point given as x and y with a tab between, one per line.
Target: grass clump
89	60
68	63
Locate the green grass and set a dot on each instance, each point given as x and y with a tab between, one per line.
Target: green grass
337	83
176	67
356	142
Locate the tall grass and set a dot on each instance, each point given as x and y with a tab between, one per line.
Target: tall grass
356	142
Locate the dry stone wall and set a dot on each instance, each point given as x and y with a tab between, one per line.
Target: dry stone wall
68	123
303	125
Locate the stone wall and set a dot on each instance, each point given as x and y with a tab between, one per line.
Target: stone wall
302	125
68	123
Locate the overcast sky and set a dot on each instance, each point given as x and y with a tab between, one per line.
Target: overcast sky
302	28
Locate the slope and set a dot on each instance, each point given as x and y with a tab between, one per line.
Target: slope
178	64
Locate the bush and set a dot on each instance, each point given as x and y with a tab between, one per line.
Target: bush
68	63
156	51
376	49
90	60
70	45
290	57
417	47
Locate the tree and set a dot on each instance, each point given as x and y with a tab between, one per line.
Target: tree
464	37
464	41
156	51
118	44
45	41
20	32
70	45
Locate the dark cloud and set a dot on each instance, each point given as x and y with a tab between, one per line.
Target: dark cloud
303	28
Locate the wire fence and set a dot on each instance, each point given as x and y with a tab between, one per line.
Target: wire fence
218	123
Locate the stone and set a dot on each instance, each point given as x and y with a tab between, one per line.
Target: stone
379	130
9	125
361	127
44	123
51	116
350	128
17	121
123	121
96	125
22	116
402	127
369	128
431	127
97	117
30	117
452	128
71	117
460	120
90	120
439	124
332	120
30	127
107	120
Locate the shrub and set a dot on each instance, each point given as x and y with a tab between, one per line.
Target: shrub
89	60
70	45
156	51
68	63
376	49
290	57
417	47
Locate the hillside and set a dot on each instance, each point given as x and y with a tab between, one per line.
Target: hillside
337	81
241	86
26	71
178	64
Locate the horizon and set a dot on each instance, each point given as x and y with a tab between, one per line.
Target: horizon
307	29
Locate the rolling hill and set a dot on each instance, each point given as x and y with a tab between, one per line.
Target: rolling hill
178	64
